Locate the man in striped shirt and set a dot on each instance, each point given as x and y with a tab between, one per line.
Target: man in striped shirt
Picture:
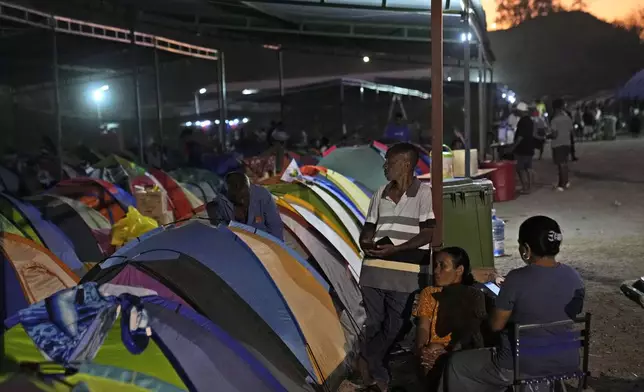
395	238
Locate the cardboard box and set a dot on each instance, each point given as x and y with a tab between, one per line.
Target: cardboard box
165	218
151	202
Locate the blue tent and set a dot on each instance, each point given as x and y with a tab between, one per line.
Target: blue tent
224	253
634	88
51	236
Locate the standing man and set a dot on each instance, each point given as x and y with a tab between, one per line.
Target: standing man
561	128
395	238
253	205
523	148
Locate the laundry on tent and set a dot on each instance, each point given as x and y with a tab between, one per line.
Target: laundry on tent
108	199
31	273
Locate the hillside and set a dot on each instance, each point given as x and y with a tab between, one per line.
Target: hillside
565	54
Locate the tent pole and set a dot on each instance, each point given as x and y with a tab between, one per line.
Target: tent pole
481	109
437	118
137	96
466	77
56	76
223	111
159	100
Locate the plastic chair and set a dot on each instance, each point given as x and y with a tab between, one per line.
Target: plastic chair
570	340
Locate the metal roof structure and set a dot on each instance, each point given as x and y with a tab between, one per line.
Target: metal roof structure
379	21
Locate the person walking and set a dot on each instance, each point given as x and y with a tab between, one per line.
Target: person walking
398	230
523	148
561	127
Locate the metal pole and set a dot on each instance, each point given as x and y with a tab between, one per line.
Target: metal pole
481	71
221	89
491	100
486	124
137	96
157	80
59	124
280	61
197	104
342	127
437	118
467	98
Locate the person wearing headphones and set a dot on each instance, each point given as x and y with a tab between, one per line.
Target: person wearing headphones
253	205
544	291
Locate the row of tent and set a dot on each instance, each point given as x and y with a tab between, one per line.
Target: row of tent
288	314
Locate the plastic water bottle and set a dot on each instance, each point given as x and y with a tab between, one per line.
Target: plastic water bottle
498	235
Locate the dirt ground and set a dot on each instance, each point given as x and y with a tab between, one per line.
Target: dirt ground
602	217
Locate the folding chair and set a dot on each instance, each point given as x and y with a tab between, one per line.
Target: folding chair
566	341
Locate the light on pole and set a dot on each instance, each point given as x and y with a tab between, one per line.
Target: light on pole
98	96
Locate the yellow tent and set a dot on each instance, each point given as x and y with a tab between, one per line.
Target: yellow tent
310	303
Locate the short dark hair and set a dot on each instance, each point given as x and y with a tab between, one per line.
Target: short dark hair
460	258
236	181
558	104
399	115
407	149
542	235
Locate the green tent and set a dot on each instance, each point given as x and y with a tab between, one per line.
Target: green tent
362	163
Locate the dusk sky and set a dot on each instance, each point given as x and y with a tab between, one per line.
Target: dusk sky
605	9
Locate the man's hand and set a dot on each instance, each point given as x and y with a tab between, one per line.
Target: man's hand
367	247
381	251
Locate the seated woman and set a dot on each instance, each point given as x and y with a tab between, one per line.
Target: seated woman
449	314
544	291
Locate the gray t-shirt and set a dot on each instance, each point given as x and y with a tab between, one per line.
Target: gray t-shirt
539	295
561	124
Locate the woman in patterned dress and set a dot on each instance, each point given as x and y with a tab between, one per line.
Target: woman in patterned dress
450	314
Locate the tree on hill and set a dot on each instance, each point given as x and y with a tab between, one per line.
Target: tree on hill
579	5
634	23
514	12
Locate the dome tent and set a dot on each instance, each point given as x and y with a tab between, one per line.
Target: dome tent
239	297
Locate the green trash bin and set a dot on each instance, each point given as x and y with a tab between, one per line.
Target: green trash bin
467	217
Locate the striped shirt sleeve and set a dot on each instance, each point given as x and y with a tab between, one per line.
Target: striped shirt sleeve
426	208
